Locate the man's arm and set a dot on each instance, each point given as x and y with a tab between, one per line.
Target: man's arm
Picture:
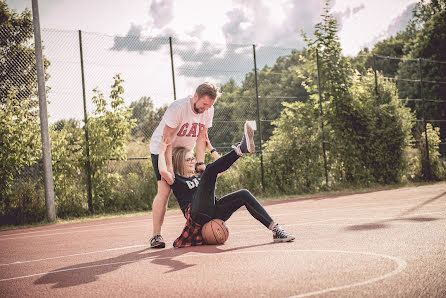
162	166
200	148
168	133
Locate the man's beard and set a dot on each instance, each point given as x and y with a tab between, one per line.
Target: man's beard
196	109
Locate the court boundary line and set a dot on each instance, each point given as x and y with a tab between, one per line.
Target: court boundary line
401	265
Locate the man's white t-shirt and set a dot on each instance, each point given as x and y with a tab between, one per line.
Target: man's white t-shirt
181	116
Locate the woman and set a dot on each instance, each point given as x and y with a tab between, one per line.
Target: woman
195	192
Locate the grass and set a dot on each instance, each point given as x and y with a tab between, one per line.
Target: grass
346	191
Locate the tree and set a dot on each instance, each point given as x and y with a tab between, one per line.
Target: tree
109	127
68	150
19	143
293	155
361	126
424	68
146	118
19	134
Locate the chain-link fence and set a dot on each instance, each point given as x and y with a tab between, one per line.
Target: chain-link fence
421	84
155	73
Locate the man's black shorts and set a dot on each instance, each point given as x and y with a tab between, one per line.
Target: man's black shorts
155	166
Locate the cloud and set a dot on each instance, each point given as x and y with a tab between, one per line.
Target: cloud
132	42
398	24
246	25
253	22
347	13
161	12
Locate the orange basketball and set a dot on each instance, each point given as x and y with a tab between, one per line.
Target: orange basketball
215	232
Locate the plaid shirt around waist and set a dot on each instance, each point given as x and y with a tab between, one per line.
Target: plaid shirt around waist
191	235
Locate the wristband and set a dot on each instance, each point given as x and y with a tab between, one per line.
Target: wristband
213	150
198	164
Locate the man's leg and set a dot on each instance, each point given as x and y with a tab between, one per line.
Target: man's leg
159	207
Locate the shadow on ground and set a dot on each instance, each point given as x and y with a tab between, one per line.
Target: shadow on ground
382	224
89	272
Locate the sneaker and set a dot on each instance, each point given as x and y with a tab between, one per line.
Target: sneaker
157	241
280	235
247	144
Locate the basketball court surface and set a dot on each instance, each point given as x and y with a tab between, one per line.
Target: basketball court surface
379	244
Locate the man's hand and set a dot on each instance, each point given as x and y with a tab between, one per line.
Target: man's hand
208	143
165	143
200	167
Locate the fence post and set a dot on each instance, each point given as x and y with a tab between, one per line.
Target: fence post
322	115
429	173
44	133
87	143
258	117
376	77
173	69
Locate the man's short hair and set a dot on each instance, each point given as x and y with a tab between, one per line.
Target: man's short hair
208	89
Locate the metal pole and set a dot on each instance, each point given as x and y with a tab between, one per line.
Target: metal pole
376	77
322	115
429	173
87	143
173	70
258	117
46	145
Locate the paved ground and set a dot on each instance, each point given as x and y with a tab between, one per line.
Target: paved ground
379	244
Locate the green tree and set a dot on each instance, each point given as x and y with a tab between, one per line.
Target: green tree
426	60
361	126
67	148
226	124
19	129
19	143
293	155
147	118
438	169
109	127
377	57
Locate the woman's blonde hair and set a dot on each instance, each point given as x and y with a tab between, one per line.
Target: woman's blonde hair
178	160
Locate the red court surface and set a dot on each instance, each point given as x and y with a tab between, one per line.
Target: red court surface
378	244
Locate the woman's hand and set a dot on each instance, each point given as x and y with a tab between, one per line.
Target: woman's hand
165	142
165	171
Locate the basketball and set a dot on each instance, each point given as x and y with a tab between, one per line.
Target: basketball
215	232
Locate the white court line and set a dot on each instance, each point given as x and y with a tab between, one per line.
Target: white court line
317	222
401	265
75	255
92	227
180	216
400	262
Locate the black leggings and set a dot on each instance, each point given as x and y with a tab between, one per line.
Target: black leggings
204	207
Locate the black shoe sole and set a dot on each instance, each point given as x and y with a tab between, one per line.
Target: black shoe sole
161	245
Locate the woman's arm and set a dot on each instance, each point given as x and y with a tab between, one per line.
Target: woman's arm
162	165
214	152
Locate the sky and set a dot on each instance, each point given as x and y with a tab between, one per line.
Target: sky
362	22
204	26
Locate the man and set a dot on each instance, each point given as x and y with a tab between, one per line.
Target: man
185	124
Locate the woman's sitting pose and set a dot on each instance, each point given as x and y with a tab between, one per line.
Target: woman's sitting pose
195	192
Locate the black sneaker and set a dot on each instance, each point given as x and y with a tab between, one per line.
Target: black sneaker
157	241
280	235
247	144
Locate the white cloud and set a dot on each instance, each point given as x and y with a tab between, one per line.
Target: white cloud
204	28
368	23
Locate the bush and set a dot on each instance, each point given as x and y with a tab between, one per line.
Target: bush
293	157
244	174
137	186
437	168
27	205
